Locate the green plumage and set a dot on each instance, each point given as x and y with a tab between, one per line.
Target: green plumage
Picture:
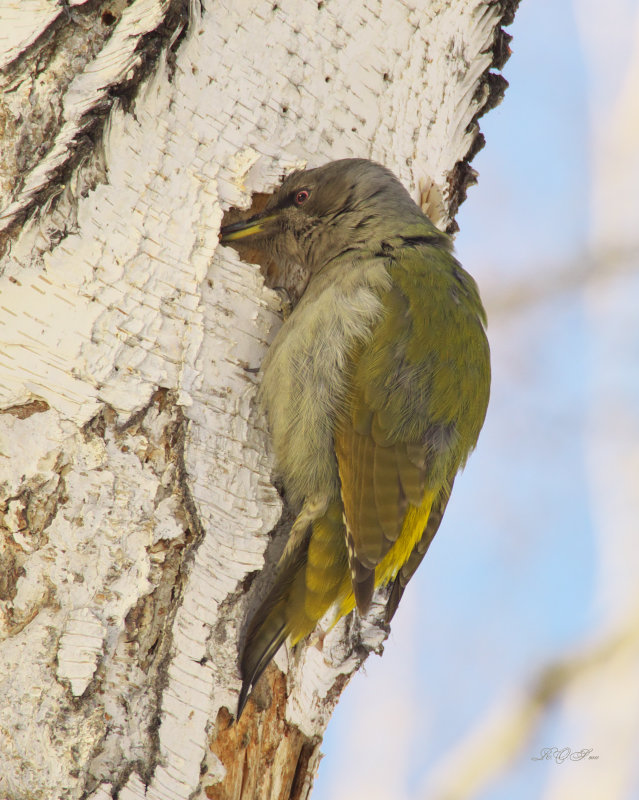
375	389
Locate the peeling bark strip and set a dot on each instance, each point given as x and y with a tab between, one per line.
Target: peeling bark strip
64	66
135	492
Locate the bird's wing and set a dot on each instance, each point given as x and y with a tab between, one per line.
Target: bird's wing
416	403
382	467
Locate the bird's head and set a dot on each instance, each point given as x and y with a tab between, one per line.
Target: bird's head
319	214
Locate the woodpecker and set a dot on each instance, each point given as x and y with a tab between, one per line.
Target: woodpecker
375	390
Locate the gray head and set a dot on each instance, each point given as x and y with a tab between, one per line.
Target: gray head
318	214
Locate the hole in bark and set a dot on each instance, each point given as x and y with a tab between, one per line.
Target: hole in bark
246	250
292	279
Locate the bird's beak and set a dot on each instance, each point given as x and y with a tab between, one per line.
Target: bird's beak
246	227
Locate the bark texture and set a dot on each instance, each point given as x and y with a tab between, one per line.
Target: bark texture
136	503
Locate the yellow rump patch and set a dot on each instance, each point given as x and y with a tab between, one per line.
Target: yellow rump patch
412	531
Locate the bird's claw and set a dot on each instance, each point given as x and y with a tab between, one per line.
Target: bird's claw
286	301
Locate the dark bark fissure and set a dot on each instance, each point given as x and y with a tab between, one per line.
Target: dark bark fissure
79	34
149	624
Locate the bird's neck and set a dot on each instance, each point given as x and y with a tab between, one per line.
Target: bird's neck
367	240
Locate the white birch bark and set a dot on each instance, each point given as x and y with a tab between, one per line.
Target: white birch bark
135	482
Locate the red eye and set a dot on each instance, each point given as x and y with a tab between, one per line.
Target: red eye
302	196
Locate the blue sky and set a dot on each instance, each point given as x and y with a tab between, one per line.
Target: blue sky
533	171
511	579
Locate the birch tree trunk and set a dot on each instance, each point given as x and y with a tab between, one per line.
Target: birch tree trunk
136	504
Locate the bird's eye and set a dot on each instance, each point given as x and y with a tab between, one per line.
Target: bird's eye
302	196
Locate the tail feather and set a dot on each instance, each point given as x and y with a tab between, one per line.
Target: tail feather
270	624
310	576
257	654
